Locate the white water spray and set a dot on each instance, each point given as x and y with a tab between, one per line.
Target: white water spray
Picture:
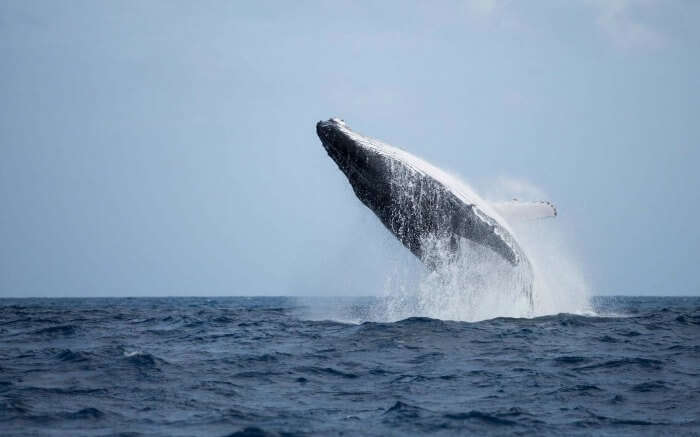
477	284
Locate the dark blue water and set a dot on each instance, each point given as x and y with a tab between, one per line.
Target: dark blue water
254	366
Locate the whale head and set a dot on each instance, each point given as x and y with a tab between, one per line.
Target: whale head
335	138
366	168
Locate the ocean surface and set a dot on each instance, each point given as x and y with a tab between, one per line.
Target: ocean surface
261	366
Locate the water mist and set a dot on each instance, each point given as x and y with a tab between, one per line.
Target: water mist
475	284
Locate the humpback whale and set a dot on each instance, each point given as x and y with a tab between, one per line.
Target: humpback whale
420	203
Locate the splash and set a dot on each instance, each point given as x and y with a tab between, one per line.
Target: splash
476	284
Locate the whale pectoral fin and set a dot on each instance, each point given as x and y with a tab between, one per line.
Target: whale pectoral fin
516	210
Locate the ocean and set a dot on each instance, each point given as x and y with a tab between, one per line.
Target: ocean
274	366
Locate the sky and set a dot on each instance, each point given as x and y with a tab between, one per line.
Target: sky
169	147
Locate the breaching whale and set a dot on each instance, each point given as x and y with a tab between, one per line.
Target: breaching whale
420	203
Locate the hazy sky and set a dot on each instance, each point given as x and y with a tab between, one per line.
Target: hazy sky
169	148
